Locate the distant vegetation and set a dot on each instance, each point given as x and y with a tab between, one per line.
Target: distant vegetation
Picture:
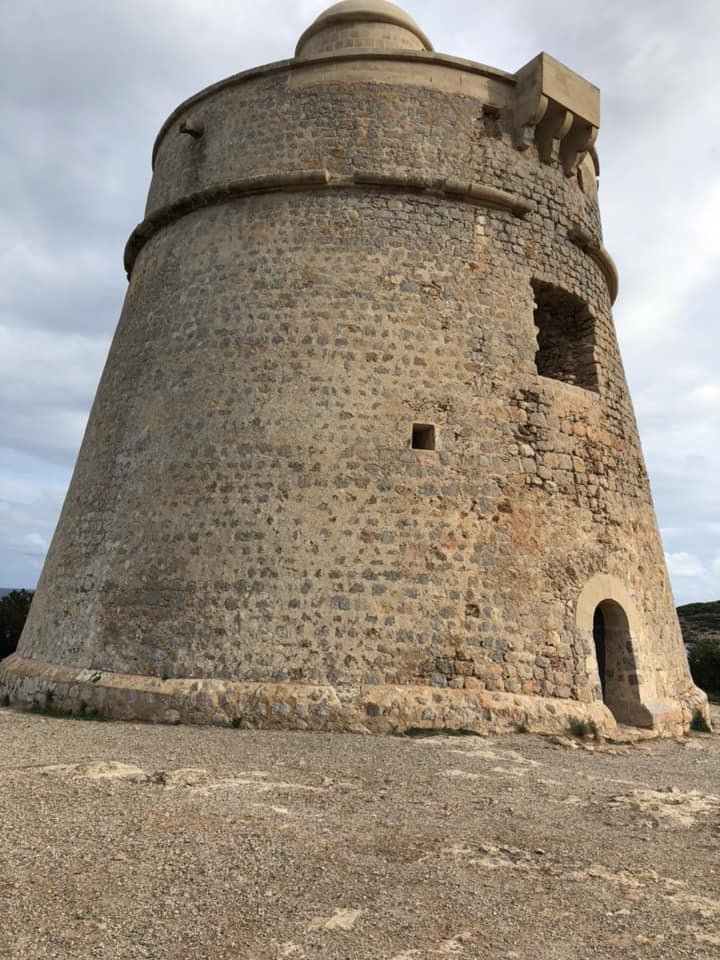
700	623
14	608
700	618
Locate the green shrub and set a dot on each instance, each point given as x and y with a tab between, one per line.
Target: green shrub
14	609
700	616
704	660
582	729
698	723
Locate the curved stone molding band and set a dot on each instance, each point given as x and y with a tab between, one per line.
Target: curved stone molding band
598	253
476	193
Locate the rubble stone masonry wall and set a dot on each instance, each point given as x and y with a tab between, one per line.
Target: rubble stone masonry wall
321	267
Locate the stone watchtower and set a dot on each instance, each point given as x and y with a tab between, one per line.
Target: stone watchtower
363	454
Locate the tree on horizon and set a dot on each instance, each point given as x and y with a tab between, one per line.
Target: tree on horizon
14	608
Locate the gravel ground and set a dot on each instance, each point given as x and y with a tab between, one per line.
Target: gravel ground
130	841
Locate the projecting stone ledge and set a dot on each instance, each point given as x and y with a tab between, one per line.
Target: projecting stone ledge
305	706
556	109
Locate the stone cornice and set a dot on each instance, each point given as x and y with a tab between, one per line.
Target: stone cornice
467	191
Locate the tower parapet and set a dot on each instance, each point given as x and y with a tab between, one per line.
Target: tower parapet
363	453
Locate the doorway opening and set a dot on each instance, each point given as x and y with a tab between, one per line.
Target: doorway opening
617	668
599	638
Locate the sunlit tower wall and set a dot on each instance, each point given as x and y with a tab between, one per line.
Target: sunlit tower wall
363	454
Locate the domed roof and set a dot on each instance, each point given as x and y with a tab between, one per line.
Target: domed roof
359	24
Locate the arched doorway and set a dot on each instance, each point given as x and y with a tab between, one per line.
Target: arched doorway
616	664
612	632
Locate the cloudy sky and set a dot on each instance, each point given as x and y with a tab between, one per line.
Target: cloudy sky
85	86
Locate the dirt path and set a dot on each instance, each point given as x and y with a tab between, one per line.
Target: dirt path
128	841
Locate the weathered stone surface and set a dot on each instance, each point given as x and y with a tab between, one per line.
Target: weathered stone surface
350	248
382	708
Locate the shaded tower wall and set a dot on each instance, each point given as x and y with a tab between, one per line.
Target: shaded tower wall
363	451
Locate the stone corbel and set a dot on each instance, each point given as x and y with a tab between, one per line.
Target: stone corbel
526	122
552	130
576	145
557	110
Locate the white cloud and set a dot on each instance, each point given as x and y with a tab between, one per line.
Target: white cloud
668	533
25	531
705	397
63	368
34	544
684	565
696	577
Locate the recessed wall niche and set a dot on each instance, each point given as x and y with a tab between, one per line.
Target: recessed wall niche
565	336
423	436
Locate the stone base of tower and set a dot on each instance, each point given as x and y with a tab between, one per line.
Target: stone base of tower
304	706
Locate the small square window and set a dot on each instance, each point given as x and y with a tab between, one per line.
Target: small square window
423	436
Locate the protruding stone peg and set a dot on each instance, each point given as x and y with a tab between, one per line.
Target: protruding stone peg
194	128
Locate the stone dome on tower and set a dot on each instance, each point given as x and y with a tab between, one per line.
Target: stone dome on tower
361	25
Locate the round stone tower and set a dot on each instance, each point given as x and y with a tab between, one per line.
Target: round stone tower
363	455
